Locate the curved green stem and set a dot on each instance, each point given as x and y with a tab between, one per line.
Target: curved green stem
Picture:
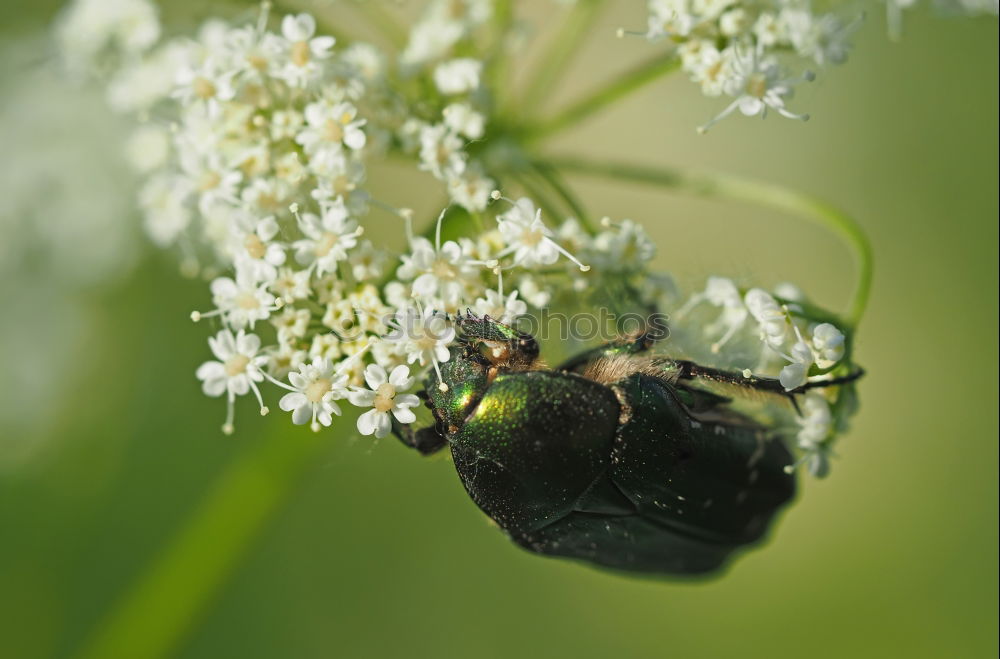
722	186
625	84
169	598
577	25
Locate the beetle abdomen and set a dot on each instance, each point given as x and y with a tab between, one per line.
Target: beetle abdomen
622	476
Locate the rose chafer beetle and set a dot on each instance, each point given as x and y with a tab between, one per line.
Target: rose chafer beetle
618	457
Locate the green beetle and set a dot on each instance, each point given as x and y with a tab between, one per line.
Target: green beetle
617	457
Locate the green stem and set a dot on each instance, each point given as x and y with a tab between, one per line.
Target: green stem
496	60
168	599
577	25
625	84
722	186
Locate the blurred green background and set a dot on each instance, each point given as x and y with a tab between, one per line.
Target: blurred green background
108	447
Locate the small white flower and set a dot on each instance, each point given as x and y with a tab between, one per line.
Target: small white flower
796	374
769	315
330	127
423	336
205	86
828	341
314	390
441	151
461	118
458	76
328	238
527	237
242	301
302	51
384	397
437	272
367	261
757	84
254	247
497	306
291	324
815	424
292	285
471	189
237	371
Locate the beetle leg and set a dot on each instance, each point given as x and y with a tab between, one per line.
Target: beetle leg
690	370
425	440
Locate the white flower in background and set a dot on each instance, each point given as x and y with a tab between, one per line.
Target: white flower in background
292	285
769	315
213	181
723	293
458	76
255	249
625	246
165	215
330	127
462	119
816	424
205	86
471	189
385	396
328	238
367	261
301	50
506	309
241	301
90	29
528	239
796	374
237	371
315	389
441	151
828	341
291	324
758	85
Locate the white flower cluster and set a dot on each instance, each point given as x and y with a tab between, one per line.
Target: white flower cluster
253	145
807	350
757	52
259	173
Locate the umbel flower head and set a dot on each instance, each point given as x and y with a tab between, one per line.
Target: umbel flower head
254	141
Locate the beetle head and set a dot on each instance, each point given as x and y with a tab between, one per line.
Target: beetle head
501	345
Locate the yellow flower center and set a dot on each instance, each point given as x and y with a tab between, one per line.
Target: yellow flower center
254	246
300	53
247	300
442	269
383	397
333	131
325	244
209	180
236	364
757	86
532	237
203	88
316	390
